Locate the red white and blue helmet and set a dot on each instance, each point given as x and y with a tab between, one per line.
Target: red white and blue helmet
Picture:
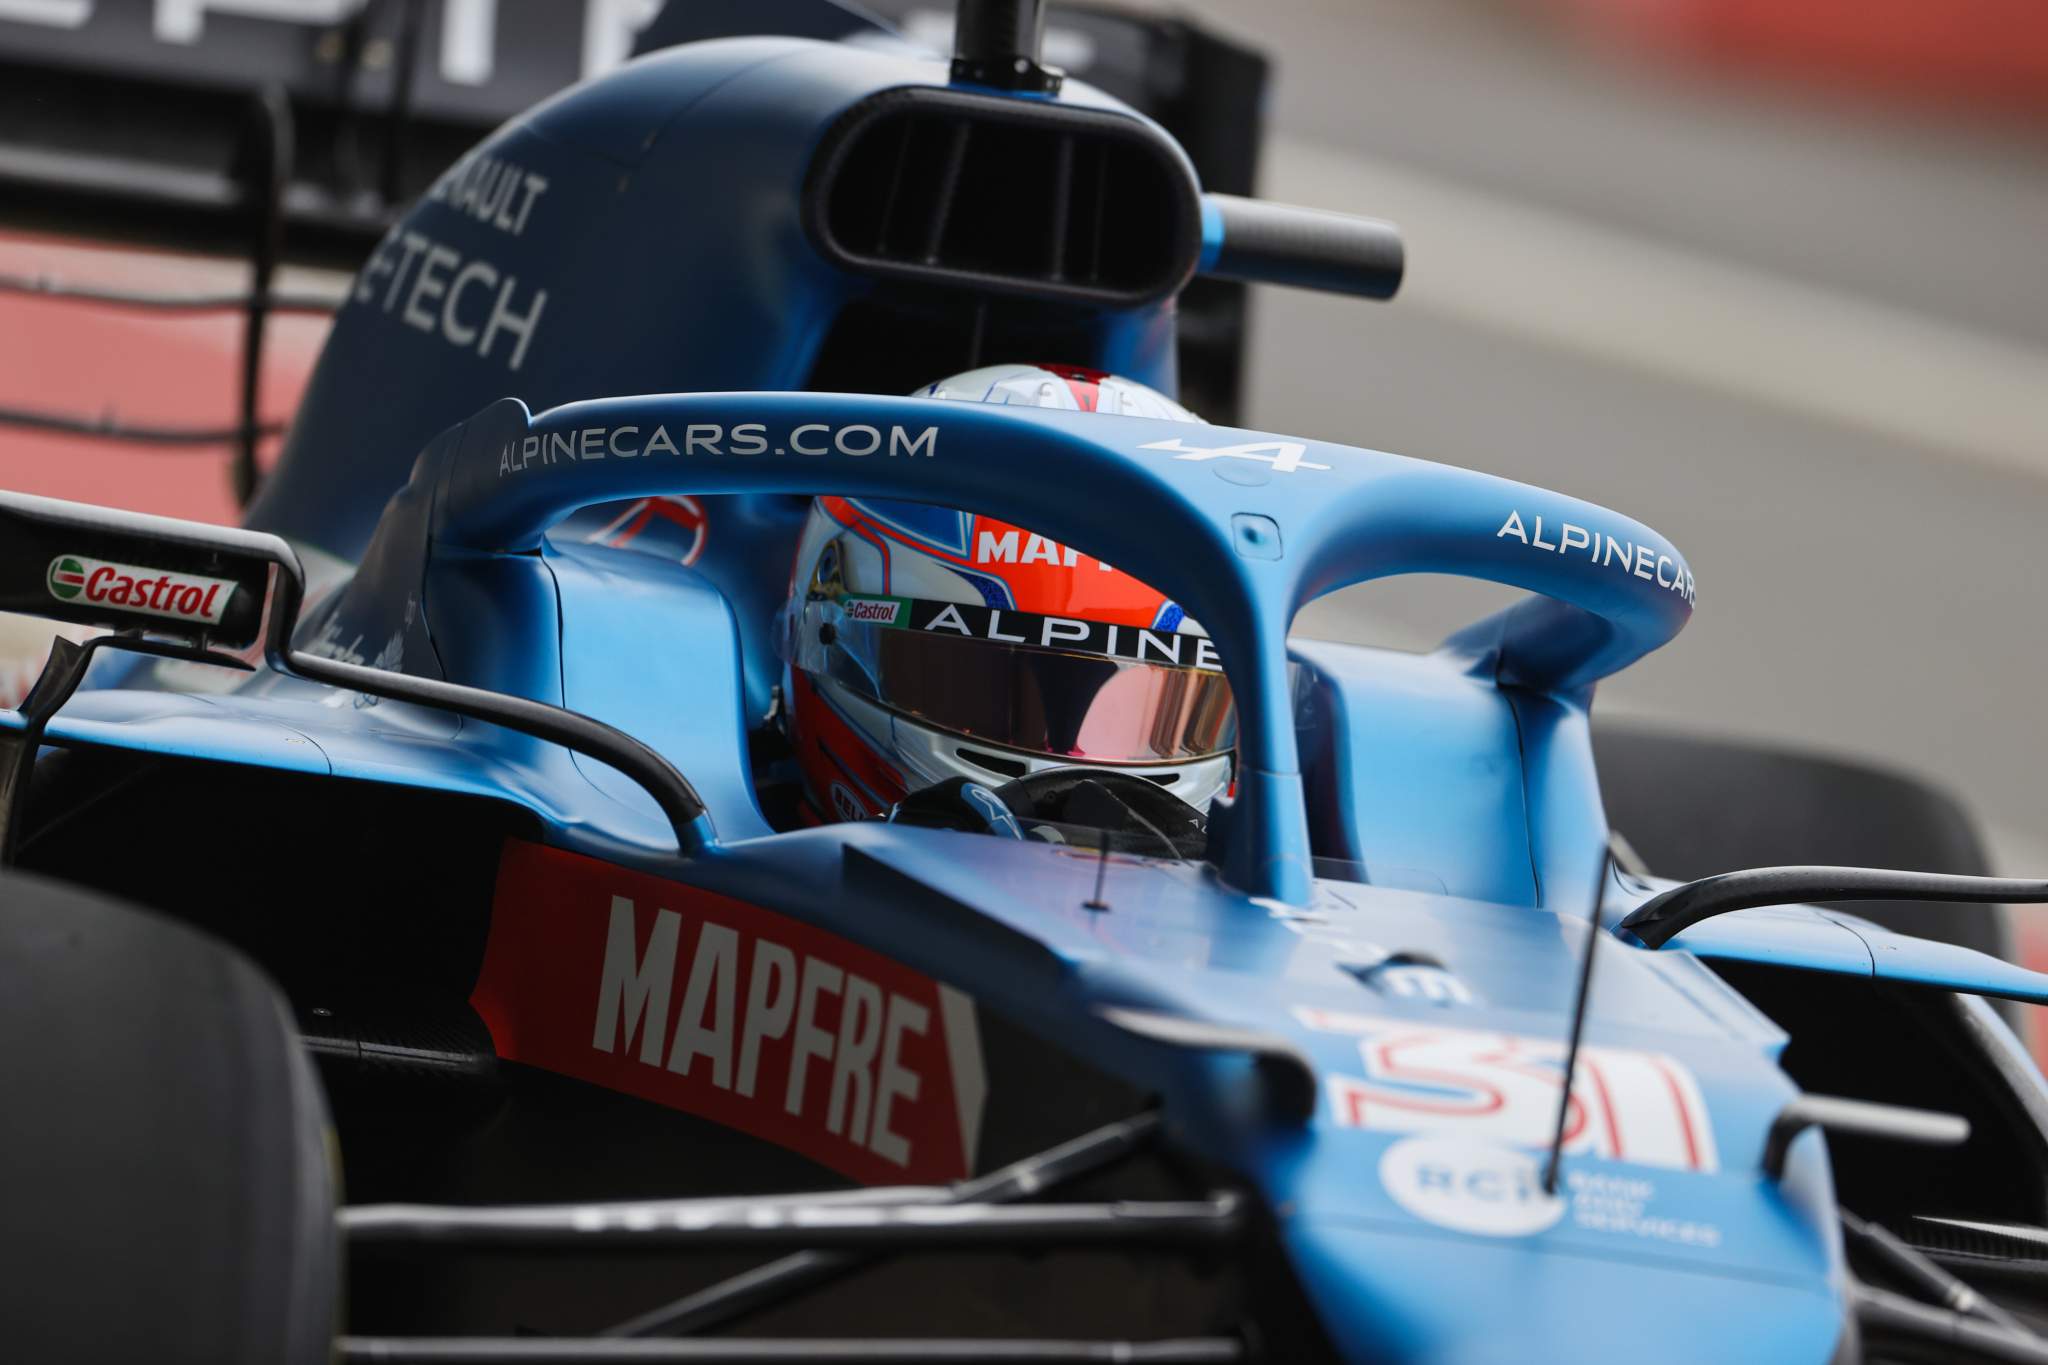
924	643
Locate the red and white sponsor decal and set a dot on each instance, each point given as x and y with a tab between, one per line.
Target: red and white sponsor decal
733	1012
1626	1105
131	587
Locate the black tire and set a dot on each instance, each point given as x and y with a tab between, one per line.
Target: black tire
1692	807
164	1150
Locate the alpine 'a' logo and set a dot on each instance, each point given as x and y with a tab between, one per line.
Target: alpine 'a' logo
67	578
131	587
1284	457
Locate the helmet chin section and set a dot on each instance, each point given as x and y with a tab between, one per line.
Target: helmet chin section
929	755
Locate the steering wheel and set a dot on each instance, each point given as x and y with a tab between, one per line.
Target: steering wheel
1144	816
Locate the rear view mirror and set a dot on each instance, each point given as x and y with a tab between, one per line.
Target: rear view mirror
202	586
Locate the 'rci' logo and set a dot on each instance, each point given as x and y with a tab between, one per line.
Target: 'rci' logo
67	578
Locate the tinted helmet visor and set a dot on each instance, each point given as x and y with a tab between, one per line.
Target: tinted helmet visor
1068	688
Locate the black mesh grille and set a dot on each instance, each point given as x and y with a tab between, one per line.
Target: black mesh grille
1005	195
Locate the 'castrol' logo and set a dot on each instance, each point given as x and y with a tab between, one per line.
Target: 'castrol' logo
882	611
181	597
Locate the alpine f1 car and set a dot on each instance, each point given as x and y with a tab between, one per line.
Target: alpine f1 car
722	861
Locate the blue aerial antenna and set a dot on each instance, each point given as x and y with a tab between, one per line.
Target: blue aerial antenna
1571	1052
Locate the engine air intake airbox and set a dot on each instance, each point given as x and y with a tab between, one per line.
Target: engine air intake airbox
1007	195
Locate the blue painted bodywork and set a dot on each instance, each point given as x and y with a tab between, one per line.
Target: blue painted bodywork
1456	790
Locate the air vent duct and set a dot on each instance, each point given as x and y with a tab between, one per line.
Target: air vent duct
1007	196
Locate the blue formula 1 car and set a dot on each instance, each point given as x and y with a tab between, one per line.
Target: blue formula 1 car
649	1007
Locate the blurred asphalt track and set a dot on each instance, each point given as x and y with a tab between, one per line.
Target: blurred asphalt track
1805	339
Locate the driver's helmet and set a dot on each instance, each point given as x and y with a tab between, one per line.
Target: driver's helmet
925	644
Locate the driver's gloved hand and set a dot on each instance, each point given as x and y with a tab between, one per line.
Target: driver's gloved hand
1138	816
957	803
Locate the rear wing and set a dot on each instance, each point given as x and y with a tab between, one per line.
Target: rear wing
134	119
274	133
